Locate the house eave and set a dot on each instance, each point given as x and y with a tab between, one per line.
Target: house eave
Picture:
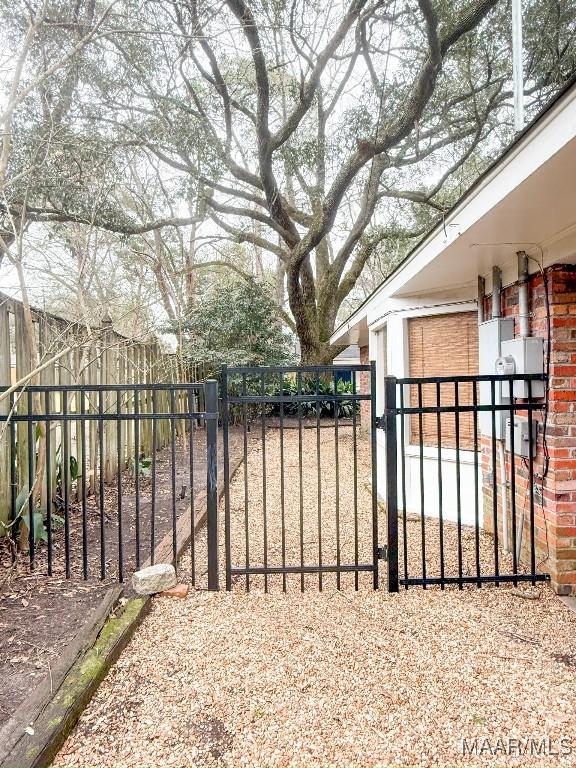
448	231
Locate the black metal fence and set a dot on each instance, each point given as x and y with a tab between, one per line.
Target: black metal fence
283	520
105	479
460	479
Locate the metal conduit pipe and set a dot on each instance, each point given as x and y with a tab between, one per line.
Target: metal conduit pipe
481	295
496	291
523	311
524	329
504	491
497	312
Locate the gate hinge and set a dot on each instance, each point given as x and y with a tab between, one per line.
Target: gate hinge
382	421
382	552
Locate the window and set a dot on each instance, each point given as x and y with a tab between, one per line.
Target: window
443	345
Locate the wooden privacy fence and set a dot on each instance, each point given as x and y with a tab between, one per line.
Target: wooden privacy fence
92	356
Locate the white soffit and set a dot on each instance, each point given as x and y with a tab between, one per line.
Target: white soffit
528	198
530	202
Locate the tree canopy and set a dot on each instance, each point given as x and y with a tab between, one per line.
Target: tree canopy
306	143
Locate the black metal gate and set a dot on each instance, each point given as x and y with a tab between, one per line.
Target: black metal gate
450	519
284	524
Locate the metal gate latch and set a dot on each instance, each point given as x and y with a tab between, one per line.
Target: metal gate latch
382	552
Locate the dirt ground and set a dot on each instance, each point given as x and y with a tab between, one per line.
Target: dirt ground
40	615
334	678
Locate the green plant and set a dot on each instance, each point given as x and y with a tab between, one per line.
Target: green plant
39	514
23	515
292	387
144	466
235	322
313	408
72	463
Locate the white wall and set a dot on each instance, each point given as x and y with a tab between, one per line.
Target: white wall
449	485
394	322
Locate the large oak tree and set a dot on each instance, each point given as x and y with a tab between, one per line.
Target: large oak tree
293	126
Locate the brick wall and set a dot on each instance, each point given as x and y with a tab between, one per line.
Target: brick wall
555	497
364	387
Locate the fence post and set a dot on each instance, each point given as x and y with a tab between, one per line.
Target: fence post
374	455
211	408
391	480
227	541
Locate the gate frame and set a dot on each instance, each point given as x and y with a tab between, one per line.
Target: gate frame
211	417
356	396
388	422
391	449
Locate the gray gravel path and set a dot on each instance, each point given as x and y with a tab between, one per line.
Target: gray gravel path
336	678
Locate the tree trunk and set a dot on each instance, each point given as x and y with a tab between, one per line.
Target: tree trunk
314	325
322	353
190	271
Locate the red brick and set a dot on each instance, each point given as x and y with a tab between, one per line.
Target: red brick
567	520
180	591
563	530
555	525
555	394
568	577
562	322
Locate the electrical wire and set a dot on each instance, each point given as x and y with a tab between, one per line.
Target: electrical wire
547	365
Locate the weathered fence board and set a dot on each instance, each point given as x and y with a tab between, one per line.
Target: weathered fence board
5	490
96	356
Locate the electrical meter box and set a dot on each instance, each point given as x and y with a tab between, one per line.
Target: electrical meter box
492	335
527	353
521	436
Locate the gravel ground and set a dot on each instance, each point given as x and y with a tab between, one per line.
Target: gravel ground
349	678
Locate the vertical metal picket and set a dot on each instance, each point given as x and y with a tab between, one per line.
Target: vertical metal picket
211	400
261	398
227	536
391	480
472	572
374	461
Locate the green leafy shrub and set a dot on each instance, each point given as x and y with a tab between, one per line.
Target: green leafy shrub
39	517
235	322
292	408
313	408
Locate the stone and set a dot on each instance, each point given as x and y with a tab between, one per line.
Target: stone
154	578
180	591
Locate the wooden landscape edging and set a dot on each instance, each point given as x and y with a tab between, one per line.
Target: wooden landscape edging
59	716
53	710
31	708
163	552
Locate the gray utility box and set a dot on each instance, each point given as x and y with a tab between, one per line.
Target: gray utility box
528	355
492	335
521	436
